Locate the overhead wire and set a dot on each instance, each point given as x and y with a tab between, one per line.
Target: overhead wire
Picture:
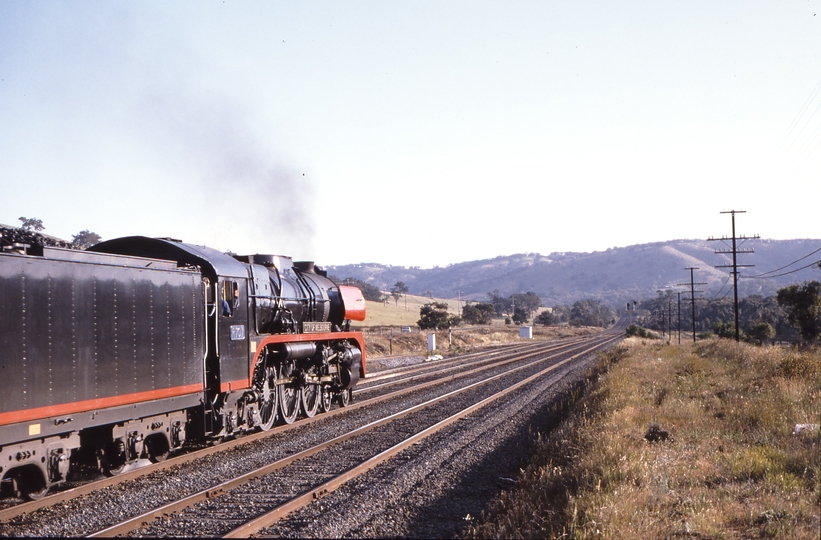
806	146
763	274
785	273
803	127
797	118
806	157
769	274
722	288
812	137
725	294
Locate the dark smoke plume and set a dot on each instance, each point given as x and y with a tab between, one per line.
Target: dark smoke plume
246	187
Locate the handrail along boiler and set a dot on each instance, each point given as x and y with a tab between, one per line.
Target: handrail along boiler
130	348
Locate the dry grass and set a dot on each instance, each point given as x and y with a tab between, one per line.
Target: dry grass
383	322
731	467
459	340
402	313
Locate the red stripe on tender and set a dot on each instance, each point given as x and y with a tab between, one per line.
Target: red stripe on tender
100	403
234	385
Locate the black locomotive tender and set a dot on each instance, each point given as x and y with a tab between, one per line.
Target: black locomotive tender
126	350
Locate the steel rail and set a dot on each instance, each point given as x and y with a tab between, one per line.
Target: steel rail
72	493
271	517
534	349
401	370
68	494
130	524
76	492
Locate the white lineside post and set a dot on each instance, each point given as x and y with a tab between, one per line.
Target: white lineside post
431	342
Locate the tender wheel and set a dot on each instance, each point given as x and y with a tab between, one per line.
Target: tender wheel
29	484
345	397
157	448
268	407
36	494
325	398
288	394
114	459
309	399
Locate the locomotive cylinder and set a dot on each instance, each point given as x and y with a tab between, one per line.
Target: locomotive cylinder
295	351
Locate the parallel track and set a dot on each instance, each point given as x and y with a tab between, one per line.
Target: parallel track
433	374
411	377
321	469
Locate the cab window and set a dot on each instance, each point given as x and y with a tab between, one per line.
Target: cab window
229	297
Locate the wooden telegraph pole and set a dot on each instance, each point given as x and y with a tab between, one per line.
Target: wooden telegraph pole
735	266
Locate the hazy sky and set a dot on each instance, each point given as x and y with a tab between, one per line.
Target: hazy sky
411	133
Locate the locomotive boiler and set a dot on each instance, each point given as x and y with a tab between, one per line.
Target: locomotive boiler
130	348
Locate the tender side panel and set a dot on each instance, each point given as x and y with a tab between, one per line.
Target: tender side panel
14	365
75	336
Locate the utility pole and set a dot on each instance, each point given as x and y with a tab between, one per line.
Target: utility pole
670	321
735	266
693	292
662	322
679	316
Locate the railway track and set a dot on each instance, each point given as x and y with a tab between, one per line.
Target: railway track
369	391
302	461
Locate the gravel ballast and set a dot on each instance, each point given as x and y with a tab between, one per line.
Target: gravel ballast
436	489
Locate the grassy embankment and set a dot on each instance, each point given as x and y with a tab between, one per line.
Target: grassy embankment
725	463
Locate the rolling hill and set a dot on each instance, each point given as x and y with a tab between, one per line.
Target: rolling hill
615	276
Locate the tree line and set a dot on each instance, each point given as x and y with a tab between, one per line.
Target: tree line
518	309
792	314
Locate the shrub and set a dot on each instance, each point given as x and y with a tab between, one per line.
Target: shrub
638	331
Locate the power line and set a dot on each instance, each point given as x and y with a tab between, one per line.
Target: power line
725	295
735	266
722	288
806	158
803	128
810	139
785	273
794	148
763	274
692	300
798	116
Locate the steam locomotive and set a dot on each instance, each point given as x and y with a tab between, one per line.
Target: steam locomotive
128	349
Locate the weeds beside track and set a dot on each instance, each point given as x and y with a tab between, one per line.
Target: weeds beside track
725	462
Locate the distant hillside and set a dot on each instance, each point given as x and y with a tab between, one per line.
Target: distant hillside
615	276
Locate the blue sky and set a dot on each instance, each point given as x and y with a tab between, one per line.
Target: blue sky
411	133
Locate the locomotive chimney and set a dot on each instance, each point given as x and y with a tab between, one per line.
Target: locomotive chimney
306	267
